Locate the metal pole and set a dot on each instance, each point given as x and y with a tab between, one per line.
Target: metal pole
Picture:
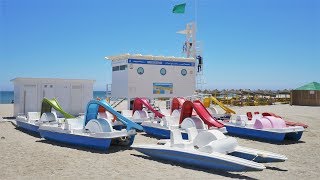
195	11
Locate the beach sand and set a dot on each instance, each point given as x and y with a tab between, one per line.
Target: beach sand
26	156
6	110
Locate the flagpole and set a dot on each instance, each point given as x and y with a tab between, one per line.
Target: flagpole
195	27
195	11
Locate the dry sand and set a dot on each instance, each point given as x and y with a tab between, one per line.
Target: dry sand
25	156
6	110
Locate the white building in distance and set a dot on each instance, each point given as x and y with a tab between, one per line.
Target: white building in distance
72	94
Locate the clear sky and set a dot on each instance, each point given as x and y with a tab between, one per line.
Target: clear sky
266	44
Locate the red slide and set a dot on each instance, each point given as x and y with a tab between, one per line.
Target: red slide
140	102
177	103
202	112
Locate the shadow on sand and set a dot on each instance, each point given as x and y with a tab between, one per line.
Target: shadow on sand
150	136
221	173
276	169
9	118
30	133
36	135
112	148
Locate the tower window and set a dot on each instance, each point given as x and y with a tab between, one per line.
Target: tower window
123	67
163	71
115	68
184	72
140	70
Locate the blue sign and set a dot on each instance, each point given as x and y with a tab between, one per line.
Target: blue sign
156	62
162	88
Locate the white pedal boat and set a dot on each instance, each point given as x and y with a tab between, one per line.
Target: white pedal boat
266	128
183	119
91	132
31	122
209	149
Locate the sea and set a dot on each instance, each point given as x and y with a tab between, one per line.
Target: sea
6	97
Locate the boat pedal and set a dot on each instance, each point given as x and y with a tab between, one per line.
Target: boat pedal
123	138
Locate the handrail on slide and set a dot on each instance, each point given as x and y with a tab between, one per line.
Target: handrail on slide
48	104
138	105
224	107
116	103
189	106
92	113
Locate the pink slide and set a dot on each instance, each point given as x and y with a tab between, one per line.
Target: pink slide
269	122
140	102
262	123
188	107
276	122
288	123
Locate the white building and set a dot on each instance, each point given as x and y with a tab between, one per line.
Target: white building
72	94
152	76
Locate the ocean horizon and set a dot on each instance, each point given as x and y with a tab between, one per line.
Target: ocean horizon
6	97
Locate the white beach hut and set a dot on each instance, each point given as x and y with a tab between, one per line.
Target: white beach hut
72	94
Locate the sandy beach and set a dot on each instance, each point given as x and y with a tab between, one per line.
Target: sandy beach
26	156
6	110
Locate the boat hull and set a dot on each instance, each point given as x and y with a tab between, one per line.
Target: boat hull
294	136
269	136
160	133
77	140
30	128
201	161
121	126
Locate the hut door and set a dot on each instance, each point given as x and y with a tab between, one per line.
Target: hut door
48	91
76	99
30	99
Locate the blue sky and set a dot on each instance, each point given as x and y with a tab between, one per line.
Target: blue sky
266	44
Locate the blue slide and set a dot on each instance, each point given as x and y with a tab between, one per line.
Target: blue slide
92	113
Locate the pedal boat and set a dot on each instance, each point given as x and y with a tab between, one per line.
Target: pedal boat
210	150
91	132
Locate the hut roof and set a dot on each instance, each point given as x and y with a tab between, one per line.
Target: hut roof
313	86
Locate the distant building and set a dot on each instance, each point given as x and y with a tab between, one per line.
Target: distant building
152	76
307	95
72	94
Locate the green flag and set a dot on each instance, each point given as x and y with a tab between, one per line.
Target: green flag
179	8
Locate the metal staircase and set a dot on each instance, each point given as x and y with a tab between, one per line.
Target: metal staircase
200	78
116	103
193	48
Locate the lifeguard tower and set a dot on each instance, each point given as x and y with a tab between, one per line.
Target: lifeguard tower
151	76
136	75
